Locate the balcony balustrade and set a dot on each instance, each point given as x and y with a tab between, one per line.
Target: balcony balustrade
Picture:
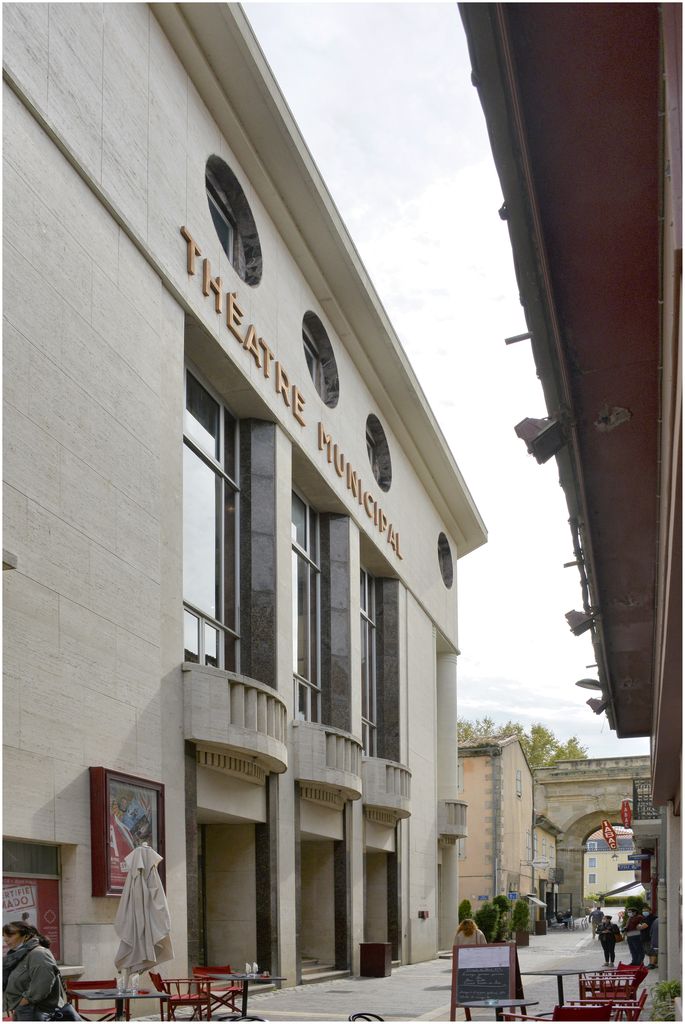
387	790
452	820
646	823
229	714
327	763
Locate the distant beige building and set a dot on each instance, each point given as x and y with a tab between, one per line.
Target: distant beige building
499	791
510	849
605	869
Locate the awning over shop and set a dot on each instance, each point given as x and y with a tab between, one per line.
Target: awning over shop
536	901
631	889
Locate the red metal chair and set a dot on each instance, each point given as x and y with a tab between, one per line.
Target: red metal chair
193	992
96	1012
640	971
607	985
624	1009
224	993
567	1012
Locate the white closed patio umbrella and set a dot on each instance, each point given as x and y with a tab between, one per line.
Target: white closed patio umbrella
143	922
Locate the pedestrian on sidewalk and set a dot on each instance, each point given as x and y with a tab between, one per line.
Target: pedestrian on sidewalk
595	919
635	925
469	934
608	933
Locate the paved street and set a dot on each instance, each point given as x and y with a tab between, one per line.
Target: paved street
422	991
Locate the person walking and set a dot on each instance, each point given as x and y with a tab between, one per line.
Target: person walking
30	977
634	927
469	934
608	934
650	918
596	918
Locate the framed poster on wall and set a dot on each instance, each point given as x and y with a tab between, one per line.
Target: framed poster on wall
125	812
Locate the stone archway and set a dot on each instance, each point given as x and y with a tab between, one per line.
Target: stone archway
576	796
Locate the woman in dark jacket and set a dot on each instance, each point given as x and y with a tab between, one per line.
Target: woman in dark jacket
608	933
30	976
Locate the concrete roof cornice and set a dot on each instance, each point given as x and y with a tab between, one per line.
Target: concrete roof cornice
223	59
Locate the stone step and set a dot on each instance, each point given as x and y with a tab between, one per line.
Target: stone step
314	972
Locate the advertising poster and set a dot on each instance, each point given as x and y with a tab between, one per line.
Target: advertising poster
132	822
35	901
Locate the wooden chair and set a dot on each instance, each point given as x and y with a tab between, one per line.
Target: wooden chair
96	1012
224	993
193	992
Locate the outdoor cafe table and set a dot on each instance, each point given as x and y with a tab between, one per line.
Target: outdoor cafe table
560	975
119	997
256	979
497	1004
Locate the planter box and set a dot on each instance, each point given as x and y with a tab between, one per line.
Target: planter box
375	959
540	927
522	938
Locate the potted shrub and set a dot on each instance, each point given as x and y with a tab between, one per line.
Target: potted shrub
504	906
664	995
486	919
465	910
520	919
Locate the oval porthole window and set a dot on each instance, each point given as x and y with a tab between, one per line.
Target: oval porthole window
321	363
378	452
445	560
233	220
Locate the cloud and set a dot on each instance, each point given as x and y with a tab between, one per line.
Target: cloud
383	96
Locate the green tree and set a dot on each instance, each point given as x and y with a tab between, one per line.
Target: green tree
539	743
465	910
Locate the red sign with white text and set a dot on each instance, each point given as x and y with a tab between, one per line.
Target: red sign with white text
609	835
626	813
36	901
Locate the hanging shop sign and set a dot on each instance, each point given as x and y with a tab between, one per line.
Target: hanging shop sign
289	393
626	813
609	835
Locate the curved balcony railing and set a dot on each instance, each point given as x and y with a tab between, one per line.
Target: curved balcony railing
328	759
387	787
452	819
229	713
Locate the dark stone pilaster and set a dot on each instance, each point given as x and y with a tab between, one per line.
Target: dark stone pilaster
266	874
336	663
394	898
388	668
342	895
297	831
258	550
193	884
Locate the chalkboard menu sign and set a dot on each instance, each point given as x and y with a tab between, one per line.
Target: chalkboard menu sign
482	972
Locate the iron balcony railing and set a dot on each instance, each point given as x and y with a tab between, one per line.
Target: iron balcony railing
642	800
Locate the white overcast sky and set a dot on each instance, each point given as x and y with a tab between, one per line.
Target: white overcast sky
383	97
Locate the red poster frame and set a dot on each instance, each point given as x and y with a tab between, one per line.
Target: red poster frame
111	837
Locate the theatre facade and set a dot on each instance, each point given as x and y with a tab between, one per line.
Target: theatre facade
231	523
